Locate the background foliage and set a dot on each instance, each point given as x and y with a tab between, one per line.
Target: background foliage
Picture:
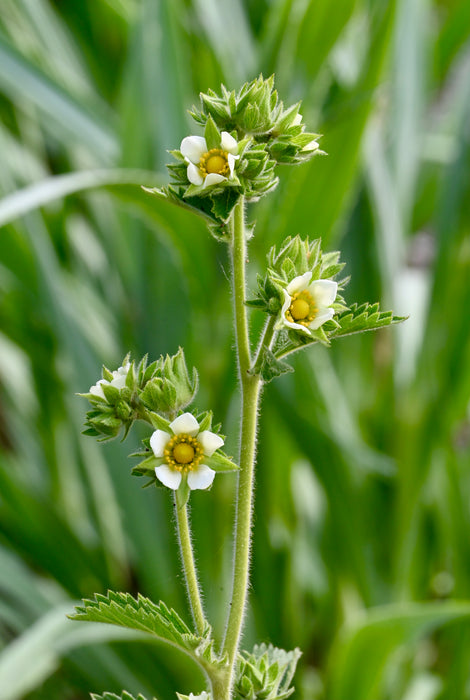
362	549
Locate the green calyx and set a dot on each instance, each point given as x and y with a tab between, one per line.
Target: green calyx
255	111
171	387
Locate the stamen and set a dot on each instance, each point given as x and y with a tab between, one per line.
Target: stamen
183	453
302	308
214	161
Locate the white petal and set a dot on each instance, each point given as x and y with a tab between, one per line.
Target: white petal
296	326
322	317
186	423
213	179
297	120
158	442
299	283
201	478
210	442
286	304
119	380
323	291
193	147
312	146
228	143
97	390
194	174
168	477
231	163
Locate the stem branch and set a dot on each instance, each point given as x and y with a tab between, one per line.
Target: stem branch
189	567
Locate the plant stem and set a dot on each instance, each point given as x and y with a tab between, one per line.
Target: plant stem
189	567
266	342
250	389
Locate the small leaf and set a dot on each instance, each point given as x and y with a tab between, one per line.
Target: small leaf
272	367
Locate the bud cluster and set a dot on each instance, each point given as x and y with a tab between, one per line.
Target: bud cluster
266	673
129	393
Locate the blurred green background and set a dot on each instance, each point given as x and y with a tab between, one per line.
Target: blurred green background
362	540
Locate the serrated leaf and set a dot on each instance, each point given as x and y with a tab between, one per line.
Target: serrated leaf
124	696
273	367
137	613
156	619
366	317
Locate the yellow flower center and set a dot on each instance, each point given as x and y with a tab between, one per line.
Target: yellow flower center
302	308
183	453
214	161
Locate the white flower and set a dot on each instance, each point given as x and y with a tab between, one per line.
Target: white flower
183	452
118	381
209	166
307	304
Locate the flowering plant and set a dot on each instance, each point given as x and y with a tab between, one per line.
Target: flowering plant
246	135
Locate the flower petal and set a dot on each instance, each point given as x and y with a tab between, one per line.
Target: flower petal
210	442
97	389
286	304
186	423
228	143
213	179
299	283
323	291
297	326
201	478
168	477
193	147
322	317
158	442
194	174
231	163
297	120
311	146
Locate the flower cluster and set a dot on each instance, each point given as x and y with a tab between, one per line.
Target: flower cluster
246	134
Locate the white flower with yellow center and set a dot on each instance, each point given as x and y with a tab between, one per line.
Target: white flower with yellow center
307	304
212	166
118	381
183	452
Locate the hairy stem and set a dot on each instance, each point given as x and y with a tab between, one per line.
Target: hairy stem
189	567
250	389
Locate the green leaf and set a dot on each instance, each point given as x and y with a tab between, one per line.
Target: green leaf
272	367
366	317
159	621
112	696
137	613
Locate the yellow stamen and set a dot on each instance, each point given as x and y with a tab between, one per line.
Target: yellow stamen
302	308
183	453
299	309
214	161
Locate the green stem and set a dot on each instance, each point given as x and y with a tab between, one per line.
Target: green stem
266	343
250	389
189	567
